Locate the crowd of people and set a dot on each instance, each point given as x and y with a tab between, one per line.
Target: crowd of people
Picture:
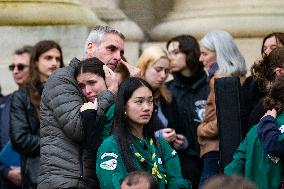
102	122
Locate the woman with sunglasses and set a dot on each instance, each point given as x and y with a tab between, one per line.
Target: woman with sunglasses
46	57
133	146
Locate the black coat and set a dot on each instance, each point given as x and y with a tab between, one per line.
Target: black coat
190	96
24	135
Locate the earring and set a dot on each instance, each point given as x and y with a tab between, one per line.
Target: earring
125	113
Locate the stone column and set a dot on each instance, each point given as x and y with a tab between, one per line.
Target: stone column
29	21
247	21
109	12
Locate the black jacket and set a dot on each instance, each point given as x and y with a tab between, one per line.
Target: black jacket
24	135
190	95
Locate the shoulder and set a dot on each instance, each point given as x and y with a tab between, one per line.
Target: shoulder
109	143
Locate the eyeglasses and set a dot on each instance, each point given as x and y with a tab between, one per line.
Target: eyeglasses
20	67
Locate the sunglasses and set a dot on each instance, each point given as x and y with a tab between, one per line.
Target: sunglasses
20	67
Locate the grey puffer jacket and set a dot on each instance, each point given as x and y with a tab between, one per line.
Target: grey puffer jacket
64	162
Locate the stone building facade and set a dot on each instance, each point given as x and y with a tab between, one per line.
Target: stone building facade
144	23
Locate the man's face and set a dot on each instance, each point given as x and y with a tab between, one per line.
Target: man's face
20	68
110	50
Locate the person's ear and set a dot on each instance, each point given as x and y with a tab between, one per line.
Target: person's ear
279	71
90	50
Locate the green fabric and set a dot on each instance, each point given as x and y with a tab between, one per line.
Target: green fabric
111	170
108	119
251	161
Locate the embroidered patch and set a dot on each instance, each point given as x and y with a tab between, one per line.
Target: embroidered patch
174	153
106	154
109	165
160	161
281	129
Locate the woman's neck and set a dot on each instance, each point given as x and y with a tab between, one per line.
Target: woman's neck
137	130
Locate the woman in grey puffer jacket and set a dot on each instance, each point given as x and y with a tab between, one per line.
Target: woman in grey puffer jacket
64	161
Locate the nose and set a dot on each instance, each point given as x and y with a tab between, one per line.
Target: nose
163	74
117	56
201	58
88	90
267	51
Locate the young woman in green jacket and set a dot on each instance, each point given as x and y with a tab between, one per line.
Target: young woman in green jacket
133	145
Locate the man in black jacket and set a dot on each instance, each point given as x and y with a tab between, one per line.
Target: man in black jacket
65	162
11	176
190	90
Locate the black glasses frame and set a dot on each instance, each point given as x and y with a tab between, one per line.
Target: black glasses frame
20	67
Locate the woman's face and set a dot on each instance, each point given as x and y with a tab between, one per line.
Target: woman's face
139	107
207	57
270	44
91	85
157	73
48	62
178	58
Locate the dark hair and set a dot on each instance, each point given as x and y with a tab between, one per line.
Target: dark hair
275	97
135	177
279	36
263	70
190	47
34	83
24	49
228	182
121	126
90	65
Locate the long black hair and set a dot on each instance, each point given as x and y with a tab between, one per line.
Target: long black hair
190	47
121	125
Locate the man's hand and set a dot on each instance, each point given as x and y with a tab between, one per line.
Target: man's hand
180	142
169	134
111	80
90	105
133	70
272	113
14	175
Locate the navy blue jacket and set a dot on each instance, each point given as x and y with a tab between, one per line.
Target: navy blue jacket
269	135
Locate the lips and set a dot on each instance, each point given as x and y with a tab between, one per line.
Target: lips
145	116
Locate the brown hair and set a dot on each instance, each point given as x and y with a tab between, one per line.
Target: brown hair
228	182
275	97
263	71
34	82
279	36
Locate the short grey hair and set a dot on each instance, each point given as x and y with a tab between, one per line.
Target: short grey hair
229	59
97	34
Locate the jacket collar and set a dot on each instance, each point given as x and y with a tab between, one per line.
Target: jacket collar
199	81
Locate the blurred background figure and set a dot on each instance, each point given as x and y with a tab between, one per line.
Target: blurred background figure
228	182
46	57
189	90
20	68
219	50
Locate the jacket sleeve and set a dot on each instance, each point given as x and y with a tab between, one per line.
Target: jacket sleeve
63	98
208	128
22	138
109	166
172	168
270	137
237	166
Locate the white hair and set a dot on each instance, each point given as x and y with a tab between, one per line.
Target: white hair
229	58
97	34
